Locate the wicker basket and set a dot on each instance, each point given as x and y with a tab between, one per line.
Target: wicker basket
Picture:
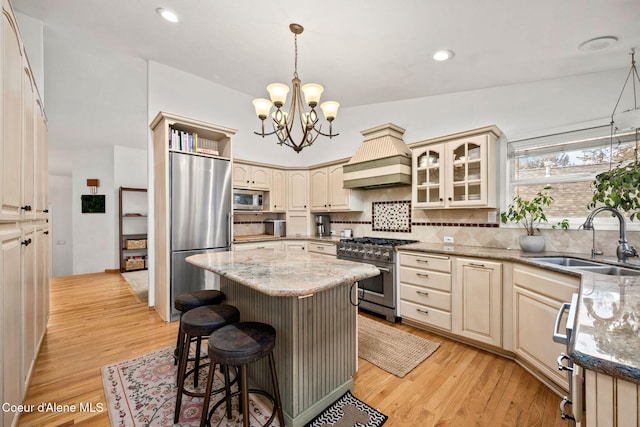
136	244
134	264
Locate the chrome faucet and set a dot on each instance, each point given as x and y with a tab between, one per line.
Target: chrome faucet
624	251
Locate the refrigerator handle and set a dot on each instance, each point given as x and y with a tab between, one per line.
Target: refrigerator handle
229	228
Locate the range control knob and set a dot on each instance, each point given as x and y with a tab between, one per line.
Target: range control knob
378	253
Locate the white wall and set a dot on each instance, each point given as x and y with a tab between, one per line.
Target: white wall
519	110
93	234
60	208
177	92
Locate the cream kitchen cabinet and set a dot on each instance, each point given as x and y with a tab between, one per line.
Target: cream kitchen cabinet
252	177
11	390
458	171
25	250
12	111
299	246
274	245
278	192
321	248
609	401
327	193
478	300
298	190
425	289
538	295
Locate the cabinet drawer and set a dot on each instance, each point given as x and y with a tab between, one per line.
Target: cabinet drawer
322	248
426	296
426	278
431	262
426	315
544	282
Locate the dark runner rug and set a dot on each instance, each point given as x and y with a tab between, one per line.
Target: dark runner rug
348	411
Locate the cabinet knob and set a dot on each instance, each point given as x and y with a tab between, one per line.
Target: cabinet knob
26	208
45	232
440	198
450	199
45	210
26	242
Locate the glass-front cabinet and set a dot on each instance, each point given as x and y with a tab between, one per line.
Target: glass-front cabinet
428	183
456	173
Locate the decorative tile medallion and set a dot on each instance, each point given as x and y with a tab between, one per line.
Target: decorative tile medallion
391	216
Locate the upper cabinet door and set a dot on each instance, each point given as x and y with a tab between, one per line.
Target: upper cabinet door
278	193
298	190
11	164
319	190
251	177
29	145
467	185
459	173
428	176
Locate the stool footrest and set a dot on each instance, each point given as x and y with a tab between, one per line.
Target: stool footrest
238	393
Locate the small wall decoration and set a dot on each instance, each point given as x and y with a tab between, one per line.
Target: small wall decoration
391	216
92	203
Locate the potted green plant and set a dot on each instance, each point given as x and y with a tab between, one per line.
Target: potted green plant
618	188
530	214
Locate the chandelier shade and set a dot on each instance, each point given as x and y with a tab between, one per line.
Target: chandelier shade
298	127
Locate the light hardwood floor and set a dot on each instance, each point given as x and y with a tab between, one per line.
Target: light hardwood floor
96	321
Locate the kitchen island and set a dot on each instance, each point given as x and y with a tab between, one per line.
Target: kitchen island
308	300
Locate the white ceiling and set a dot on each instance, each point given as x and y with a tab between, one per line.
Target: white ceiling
362	51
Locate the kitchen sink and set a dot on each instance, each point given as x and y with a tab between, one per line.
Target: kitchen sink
591	266
567	262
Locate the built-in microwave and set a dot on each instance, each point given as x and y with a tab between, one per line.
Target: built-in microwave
248	200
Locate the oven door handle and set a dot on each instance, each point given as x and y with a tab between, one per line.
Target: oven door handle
557	336
386	270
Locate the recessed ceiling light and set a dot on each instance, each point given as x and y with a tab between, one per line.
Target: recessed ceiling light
167	14
599	43
442	55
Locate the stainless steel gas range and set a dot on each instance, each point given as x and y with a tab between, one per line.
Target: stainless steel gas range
377	294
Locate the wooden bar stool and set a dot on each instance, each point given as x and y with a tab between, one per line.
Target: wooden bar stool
188	301
196	324
238	345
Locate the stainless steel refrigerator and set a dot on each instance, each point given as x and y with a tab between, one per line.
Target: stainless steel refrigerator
200	197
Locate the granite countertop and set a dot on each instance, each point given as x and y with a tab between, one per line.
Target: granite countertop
606	335
282	274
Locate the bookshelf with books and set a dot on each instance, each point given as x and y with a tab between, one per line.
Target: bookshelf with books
194	137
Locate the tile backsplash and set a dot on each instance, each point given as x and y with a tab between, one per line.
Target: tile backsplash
466	226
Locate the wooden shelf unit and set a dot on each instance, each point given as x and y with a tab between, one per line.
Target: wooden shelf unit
130	243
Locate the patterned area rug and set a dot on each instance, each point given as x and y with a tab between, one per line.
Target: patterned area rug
141	392
349	412
397	352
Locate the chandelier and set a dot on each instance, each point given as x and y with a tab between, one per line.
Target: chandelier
286	123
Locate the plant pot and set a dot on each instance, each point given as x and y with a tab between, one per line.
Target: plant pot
532	243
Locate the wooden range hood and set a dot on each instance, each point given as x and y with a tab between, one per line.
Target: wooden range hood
383	160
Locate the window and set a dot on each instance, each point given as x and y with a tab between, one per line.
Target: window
564	165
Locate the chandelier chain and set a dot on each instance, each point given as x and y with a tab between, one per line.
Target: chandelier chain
295	61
